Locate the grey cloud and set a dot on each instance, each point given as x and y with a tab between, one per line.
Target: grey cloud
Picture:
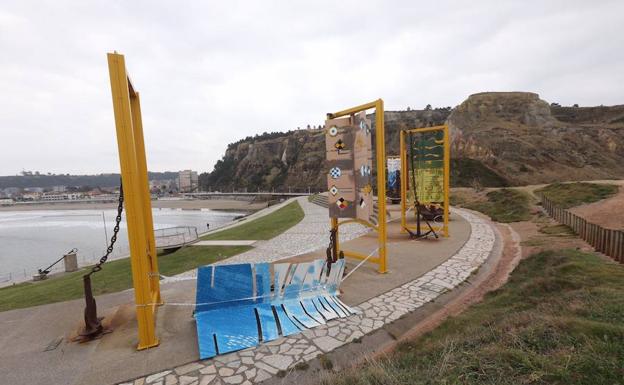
210	73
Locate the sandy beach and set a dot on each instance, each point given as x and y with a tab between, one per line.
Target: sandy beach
186	204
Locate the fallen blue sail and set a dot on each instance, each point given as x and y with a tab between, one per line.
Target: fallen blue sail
240	306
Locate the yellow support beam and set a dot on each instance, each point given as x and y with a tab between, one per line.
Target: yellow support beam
403	181
380	152
143	258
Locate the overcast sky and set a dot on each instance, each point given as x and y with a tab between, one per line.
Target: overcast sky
212	72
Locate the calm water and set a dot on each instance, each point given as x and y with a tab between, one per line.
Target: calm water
30	240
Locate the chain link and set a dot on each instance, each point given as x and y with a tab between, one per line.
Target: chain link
113	239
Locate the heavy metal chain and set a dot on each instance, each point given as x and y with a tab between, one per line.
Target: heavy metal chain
113	239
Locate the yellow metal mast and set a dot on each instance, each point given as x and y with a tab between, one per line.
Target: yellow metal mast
143	257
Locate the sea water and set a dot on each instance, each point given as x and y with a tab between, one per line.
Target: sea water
30	240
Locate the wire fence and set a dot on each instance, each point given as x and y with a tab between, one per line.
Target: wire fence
607	241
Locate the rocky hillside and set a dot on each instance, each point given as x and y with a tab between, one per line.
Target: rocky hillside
526	141
498	138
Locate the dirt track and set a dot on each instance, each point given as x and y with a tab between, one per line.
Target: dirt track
608	213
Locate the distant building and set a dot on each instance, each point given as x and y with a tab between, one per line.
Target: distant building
188	181
163	186
12	191
31	196
59	189
54	196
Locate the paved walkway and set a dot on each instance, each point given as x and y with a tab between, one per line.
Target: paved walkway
265	361
312	233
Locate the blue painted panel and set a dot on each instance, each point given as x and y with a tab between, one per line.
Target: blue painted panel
293	287
204	279
263	282
205	338
311	283
268	323
333	306
288	326
235	327
327	312
348	311
280	271
311	310
295	310
235	303
232	286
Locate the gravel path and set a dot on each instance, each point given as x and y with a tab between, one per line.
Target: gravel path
607	212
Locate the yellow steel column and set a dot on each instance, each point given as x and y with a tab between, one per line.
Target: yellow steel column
134	195
402	181
381	182
146	204
447	177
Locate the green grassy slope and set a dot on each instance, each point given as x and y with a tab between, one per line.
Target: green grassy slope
263	228
568	195
559	320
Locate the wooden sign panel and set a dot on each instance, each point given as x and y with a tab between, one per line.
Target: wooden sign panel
349	158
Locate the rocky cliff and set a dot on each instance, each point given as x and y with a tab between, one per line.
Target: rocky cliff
498	138
525	140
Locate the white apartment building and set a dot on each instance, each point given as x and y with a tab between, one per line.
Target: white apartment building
188	181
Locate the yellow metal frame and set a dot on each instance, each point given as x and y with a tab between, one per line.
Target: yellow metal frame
404	175
380	149
143	257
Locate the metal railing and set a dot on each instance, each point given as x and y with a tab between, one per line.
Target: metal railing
172	237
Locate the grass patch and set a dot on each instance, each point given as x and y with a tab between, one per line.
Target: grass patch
557	230
326	362
559	320
535	242
466	172
263	228
504	205
115	276
568	195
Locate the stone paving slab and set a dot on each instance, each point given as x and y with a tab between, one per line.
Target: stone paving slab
257	364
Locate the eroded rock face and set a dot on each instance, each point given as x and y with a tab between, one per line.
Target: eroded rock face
514	137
